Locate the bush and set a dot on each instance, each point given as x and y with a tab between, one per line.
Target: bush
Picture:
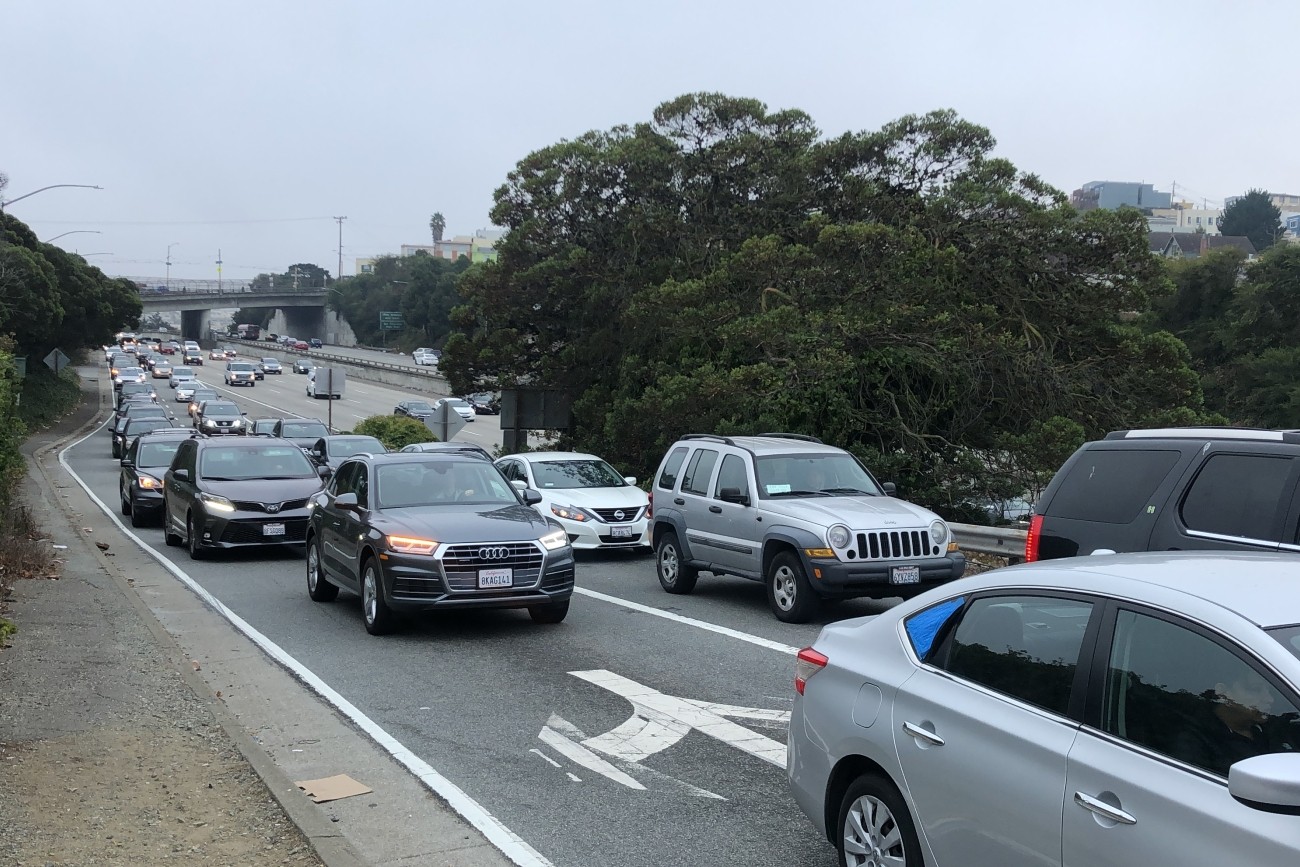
395	431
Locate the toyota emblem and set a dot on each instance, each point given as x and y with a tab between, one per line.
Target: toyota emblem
273	507
493	553
618	516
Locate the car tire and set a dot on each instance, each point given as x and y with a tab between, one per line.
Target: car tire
126	503
137	517
553	612
169	537
192	540
115	449
675	575
788	592
319	589
871	812
375	613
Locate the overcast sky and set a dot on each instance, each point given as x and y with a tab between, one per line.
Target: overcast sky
245	127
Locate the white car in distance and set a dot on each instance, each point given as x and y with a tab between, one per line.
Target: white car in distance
598	507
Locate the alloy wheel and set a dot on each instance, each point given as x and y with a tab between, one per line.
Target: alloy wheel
784	588
369	595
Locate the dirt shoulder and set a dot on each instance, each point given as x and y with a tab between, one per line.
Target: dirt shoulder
107	754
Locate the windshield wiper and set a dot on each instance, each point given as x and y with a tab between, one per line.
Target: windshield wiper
222	479
845	491
799	494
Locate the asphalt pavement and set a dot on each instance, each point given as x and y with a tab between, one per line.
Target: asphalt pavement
647	729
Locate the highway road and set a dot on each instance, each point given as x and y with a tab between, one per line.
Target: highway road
647	729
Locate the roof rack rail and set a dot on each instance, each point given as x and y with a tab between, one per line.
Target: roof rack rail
792	436
1221	432
713	437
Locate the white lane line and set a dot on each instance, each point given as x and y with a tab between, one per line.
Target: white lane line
578	754
508	842
690	621
552	761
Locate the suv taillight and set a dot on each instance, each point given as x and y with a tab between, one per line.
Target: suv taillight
1031	538
807	663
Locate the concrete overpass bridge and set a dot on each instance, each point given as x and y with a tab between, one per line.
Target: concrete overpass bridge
300	312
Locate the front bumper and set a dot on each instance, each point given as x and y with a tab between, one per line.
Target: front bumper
146	501
590	535
420	583
834	578
244	528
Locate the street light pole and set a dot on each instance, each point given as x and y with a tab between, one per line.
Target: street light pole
169	263
5	202
74	232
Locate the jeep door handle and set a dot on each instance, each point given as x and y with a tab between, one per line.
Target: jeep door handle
717	510
679	501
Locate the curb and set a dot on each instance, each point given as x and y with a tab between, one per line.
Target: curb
328	844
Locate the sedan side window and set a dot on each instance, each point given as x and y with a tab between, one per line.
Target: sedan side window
1024	646
361	484
1179	692
342	481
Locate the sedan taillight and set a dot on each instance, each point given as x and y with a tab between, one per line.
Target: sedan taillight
807	663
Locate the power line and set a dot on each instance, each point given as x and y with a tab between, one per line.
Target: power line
176	222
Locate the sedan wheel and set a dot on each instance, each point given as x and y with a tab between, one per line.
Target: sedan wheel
318	587
375	612
875	827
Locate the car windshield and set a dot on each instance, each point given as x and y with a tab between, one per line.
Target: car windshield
824	475
144	410
457	402
200	396
137	424
157	454
420	405
180	372
240	366
1289	636
240	463
303	429
270	361
576	474
217	408
442	482
130	371
343	447
137	388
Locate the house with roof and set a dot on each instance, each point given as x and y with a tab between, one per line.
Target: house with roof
1191	245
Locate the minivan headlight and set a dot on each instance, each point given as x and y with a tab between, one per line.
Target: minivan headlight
215	503
938	532
839	536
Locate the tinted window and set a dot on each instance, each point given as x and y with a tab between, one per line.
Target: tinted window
668	477
1111	486
348	446
1179	692
1289	636
698	471
732	475
156	454
303	429
576	474
1237	495
342	481
239	463
361	485
1024	646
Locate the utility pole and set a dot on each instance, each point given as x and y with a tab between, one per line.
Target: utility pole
169	263
338	275
218	270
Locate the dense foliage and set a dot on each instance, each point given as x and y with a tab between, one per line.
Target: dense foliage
423	289
395	431
1255	216
52	298
900	292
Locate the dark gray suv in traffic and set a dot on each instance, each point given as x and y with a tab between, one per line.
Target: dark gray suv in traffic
423	531
223	492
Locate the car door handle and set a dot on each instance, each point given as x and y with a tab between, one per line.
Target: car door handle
924	734
1101	808
679	501
717	510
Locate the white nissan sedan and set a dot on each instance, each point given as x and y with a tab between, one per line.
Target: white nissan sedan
598	507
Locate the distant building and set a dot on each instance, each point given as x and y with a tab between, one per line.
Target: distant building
365	266
1185	217
479	247
1116	194
1283	201
1190	245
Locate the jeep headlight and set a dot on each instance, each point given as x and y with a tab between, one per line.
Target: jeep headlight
839	536
938	532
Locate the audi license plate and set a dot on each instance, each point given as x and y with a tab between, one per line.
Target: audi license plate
905	575
621	532
273	529
495	578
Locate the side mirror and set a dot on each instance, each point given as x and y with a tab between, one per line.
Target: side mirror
733	495
127	462
889	488
181	475
631	480
347	502
1269	783
519	485
531	497
325	472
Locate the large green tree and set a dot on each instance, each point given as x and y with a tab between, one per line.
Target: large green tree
900	292
421	287
1255	216
304	275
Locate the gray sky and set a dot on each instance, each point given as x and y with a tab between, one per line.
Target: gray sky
245	126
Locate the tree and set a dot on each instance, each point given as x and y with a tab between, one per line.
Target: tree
902	293
437	225
302	275
1255	216
422	288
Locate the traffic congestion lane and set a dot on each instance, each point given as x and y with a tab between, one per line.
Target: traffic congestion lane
514	713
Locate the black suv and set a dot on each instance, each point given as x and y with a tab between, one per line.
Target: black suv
1172	489
421	531
227	492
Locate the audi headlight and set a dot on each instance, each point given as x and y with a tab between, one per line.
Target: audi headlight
571	513
147	483
411	544
938	532
554	539
217	504
839	536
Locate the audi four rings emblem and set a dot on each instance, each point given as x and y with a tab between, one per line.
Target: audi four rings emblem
493	553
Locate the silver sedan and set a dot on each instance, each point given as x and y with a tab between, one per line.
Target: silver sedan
1128	709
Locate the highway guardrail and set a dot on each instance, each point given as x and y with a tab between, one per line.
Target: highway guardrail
1008	542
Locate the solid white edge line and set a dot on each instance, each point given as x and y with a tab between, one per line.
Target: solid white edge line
690	621
508	842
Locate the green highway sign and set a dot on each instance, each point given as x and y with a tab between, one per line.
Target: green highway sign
390	320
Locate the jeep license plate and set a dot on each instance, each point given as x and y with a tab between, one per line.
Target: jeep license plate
905	575
621	532
495	578
273	529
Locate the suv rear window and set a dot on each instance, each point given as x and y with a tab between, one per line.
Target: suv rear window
1111	486
1237	495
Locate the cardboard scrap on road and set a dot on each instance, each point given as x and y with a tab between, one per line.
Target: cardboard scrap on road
333	788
